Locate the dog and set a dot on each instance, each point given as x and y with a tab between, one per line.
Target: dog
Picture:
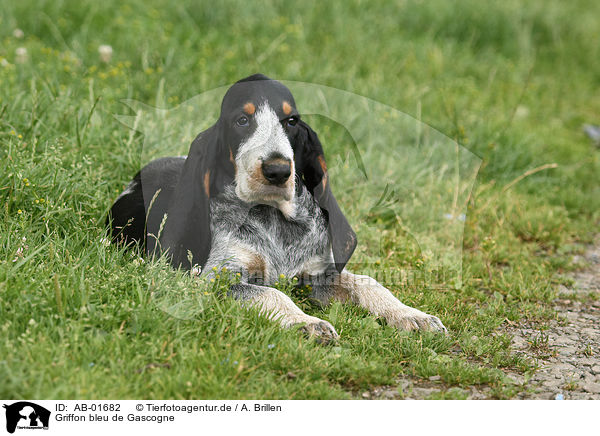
254	196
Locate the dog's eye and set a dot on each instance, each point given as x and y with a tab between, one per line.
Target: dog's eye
242	121
292	121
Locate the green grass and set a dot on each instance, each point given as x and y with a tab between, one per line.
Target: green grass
512	82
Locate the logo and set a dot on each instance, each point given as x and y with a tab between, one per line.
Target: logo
26	415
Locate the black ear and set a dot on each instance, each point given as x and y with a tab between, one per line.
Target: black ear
309	160
187	227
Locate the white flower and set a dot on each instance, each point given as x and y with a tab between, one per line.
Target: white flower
196	270
22	56
19	252
106	52
18	33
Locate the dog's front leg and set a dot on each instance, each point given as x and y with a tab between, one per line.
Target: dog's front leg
278	306
366	292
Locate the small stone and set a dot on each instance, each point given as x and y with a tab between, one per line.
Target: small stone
564	367
423	393
565	340
551	383
517	378
595	369
572	316
588	377
291	375
435	378
366	395
519	341
405	383
390	395
591	387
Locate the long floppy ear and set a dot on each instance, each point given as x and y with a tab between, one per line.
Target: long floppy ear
310	165
187	226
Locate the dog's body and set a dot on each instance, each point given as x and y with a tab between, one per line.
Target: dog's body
253	196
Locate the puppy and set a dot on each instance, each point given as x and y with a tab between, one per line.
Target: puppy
253	195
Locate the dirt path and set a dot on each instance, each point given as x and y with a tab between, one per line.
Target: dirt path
568	352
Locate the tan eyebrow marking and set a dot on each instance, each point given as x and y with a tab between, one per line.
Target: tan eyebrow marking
249	108
287	109
207	183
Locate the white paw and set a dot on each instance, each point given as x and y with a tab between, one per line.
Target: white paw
413	319
322	331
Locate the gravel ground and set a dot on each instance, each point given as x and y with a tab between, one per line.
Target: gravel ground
570	361
568	352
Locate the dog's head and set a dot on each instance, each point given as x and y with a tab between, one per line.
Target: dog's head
257	116
261	145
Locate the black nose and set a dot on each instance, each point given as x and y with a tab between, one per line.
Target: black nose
276	171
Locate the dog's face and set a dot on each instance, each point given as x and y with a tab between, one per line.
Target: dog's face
262	147
258	120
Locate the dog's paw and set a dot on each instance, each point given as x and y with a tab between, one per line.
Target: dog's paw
320	330
414	319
